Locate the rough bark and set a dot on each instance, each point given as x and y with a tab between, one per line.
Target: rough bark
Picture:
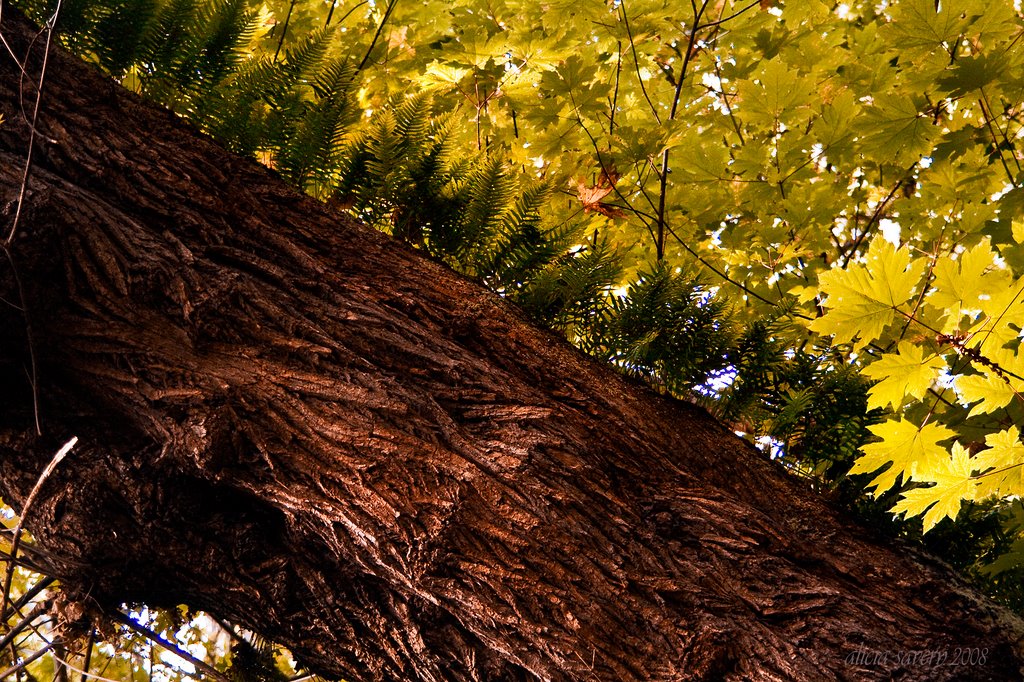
301	425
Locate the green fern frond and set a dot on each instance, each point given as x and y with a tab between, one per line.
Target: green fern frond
311	151
304	60
167	39
520	246
668	328
120	34
258	107
834	426
754	359
571	293
489	191
396	174
413	119
227	25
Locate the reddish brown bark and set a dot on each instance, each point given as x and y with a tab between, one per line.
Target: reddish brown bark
301	425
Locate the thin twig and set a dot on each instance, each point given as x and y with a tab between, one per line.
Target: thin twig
376	36
847	254
721	20
724	276
26	174
39	609
32	132
725	101
25	662
284	29
691	44
986	112
927	279
16	540
177	651
85	674
346	15
88	654
330	13
615	94
22	562
59	654
33	378
961	347
607	170
24	599
645	217
636	62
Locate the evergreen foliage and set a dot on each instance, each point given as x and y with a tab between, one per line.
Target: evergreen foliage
569	293
667	329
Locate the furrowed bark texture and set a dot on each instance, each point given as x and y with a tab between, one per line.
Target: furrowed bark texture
301	425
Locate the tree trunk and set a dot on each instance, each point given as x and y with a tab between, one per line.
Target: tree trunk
303	426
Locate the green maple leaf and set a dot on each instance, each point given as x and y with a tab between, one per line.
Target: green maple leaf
917	24
902	374
833	128
478	47
777	89
971	73
896	129
444	74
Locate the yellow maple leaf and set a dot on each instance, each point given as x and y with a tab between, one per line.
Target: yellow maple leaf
906	446
960	285
902	374
952	483
991	390
862	298
804	294
1001	464
1002	305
